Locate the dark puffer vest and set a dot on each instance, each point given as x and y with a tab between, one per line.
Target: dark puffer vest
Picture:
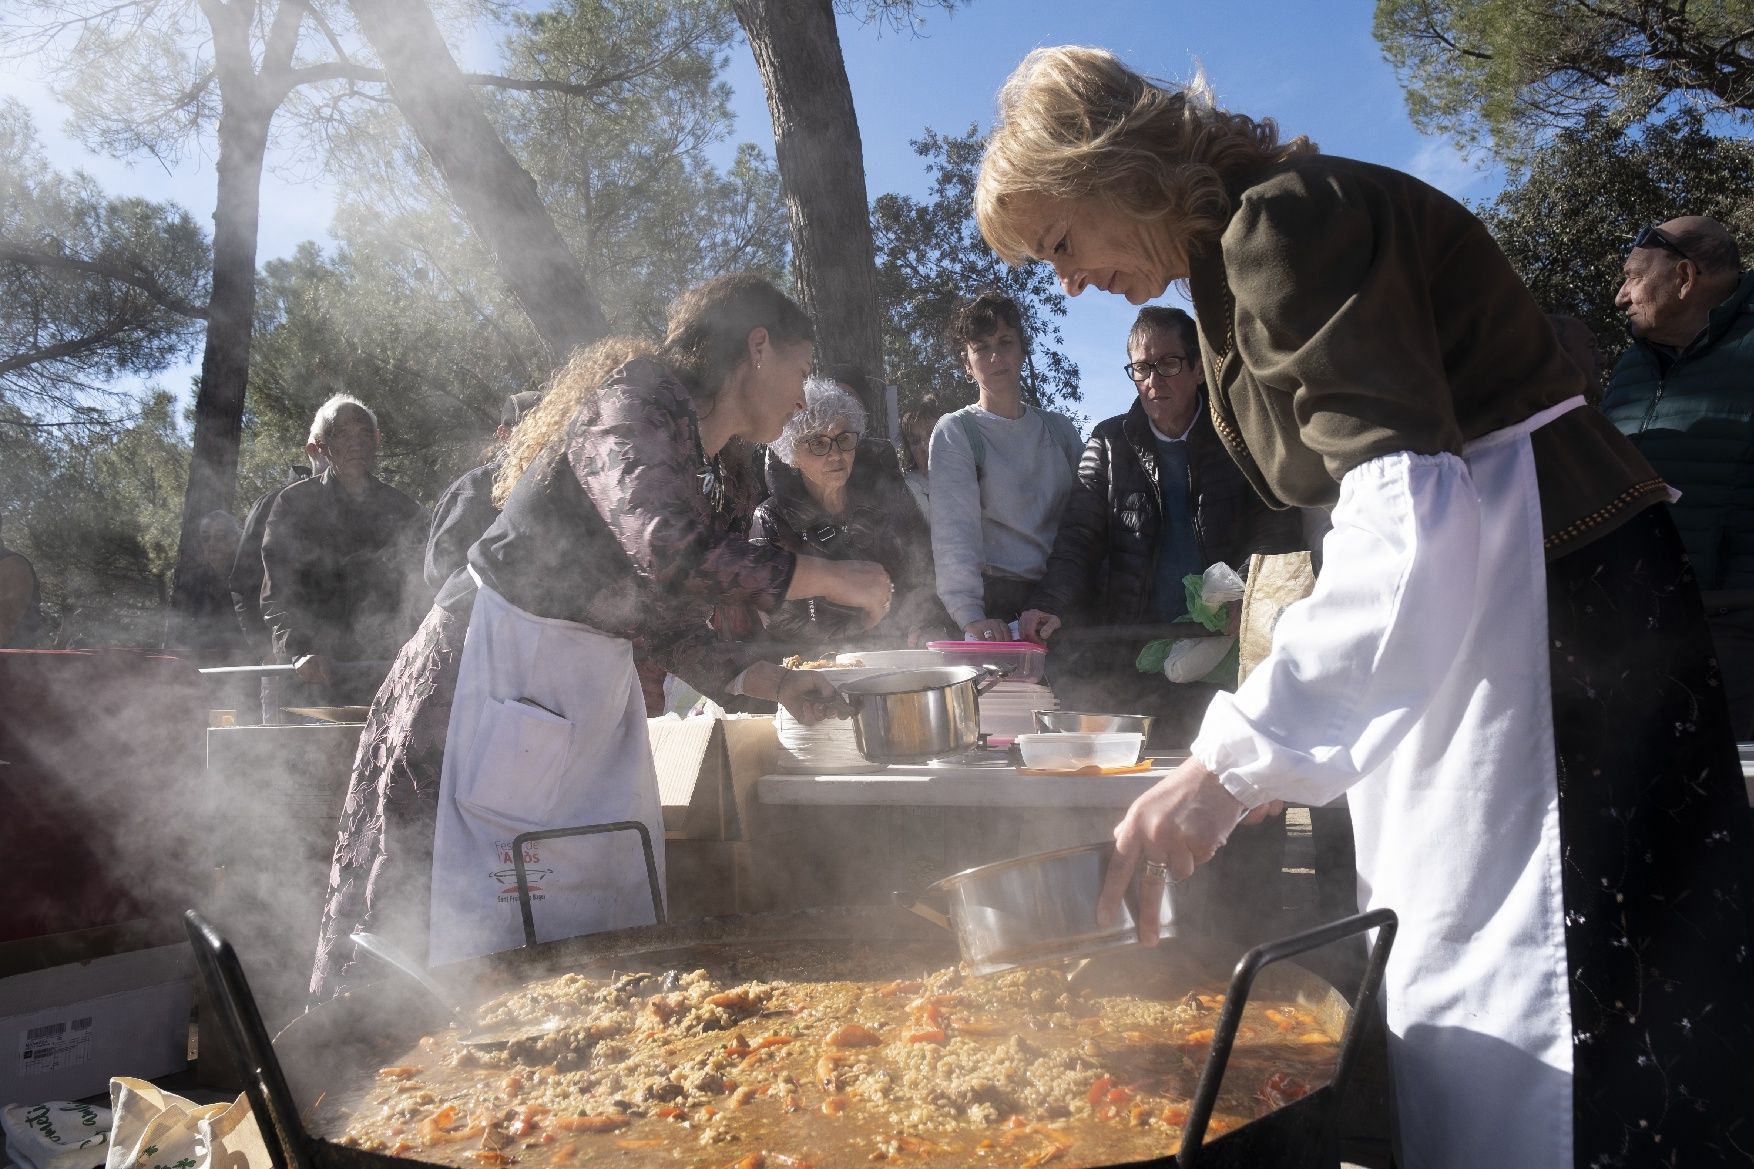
881	523
1694	421
1105	553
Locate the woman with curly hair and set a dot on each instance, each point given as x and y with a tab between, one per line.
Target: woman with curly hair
516	706
1504	663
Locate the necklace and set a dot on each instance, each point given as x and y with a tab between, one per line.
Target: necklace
712	483
712	471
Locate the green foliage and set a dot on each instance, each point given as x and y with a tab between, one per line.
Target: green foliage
91	479
930	255
1505	74
895	15
97	512
624	172
409	312
1566	224
91	288
425	336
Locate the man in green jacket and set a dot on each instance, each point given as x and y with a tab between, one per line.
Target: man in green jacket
1683	392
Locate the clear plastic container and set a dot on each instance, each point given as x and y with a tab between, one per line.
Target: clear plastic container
1070	750
1026	661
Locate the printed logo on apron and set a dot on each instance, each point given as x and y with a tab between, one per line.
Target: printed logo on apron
547	731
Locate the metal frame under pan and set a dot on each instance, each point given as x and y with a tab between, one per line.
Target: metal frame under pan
1301	1134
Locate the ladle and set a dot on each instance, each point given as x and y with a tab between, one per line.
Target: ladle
470	1031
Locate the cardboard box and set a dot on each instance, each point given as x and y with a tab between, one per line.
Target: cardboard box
707	768
22	955
66	1030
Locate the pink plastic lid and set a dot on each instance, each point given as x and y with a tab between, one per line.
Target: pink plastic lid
1003	646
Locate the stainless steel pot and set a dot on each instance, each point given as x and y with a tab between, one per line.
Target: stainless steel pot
1042	908
1058	721
911	716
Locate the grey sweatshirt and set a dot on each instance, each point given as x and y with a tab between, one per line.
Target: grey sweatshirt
1003	521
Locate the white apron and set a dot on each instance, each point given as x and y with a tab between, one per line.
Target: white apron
1476	991
547	730
1415	679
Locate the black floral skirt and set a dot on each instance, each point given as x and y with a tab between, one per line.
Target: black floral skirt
381	878
1658	858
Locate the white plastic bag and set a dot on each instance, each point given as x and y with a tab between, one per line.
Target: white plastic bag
153	1129
1192	658
1219	583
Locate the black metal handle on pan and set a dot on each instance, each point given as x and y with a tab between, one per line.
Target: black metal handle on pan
645	843
1242	981
264	1083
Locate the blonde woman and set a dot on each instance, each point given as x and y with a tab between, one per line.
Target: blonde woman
1504	663
623	517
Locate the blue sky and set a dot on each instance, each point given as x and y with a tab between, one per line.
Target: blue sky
1312	66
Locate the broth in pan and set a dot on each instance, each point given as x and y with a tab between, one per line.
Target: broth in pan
798	1056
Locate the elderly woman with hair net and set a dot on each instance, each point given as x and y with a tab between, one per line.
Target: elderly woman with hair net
836	497
1504	662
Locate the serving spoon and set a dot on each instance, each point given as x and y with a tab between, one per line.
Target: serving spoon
470	1032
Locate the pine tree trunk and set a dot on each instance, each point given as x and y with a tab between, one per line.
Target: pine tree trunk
822	171
248	99
496	194
231	311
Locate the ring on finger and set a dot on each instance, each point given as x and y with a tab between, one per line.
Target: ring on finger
1156	871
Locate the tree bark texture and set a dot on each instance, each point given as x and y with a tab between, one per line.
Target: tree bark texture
225	359
496	194
248	99
822	172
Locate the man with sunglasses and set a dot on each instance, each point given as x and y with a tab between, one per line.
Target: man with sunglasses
1683	392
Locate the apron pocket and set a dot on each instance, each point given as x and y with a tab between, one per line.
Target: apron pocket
520	764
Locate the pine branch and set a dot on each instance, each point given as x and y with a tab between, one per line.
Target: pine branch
133	277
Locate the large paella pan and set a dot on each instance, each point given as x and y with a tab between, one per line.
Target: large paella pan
820	1038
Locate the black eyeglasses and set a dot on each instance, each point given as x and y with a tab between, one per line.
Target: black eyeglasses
1141	371
1655	237
821	444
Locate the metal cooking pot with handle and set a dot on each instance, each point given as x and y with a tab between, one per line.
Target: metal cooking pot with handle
911	716
1042	908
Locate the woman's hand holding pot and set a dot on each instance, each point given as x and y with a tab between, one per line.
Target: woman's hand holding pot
809	698
1182	821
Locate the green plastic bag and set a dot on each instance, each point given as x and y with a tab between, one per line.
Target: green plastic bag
1214	617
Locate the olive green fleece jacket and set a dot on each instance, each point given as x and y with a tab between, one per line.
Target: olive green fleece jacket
1349	311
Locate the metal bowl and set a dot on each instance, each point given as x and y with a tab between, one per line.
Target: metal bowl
1060	721
1042	908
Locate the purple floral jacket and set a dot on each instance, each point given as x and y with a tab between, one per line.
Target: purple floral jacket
634	533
